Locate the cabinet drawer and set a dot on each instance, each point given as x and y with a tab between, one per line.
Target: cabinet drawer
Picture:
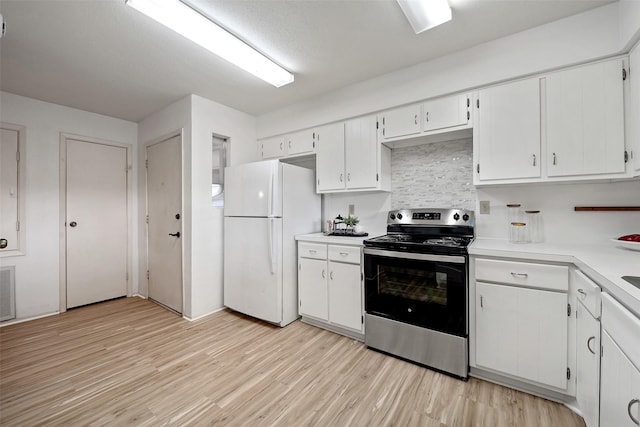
623	327
312	250
348	254
553	277
587	292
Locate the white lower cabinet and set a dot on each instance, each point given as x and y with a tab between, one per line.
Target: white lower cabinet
587	365
522	332
330	287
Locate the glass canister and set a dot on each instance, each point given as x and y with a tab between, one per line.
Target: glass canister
514	215
519	232
534	224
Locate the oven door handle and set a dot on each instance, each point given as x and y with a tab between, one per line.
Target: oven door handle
420	257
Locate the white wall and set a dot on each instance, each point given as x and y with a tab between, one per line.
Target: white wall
38	271
579	38
556	203
202	224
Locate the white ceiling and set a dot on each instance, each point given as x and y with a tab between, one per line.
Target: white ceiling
105	57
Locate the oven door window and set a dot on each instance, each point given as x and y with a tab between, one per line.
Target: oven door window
423	293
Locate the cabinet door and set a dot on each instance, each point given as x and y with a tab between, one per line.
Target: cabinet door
345	295
446	112
585	120
273	148
312	288
330	158
361	153
303	142
588	365
633	112
522	332
399	122
507	131
619	387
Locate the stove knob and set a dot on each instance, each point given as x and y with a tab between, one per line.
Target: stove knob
465	217
392	216
456	216
399	215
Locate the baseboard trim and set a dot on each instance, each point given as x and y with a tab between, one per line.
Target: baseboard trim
193	319
15	321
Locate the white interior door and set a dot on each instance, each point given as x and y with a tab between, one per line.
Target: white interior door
8	190
164	218
96	222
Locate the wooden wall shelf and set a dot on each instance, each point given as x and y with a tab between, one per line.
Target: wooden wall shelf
606	208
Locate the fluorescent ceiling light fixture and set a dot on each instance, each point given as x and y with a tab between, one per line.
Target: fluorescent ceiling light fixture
196	27
425	14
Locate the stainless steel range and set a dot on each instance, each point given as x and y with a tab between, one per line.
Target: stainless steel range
416	288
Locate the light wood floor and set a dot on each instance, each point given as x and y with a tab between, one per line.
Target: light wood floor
131	362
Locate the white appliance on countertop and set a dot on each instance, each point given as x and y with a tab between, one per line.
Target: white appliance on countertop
266	204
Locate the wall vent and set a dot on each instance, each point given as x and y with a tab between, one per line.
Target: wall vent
7	293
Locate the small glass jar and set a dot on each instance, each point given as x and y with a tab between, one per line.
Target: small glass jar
534	224
514	215
518	232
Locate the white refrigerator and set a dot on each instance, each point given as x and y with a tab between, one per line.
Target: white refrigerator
265	205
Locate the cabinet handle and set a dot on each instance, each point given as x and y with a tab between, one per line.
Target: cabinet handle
534	160
323	274
344	253
331	275
555	159
349	177
481	301
281	146
312	251
427	117
415	119
519	274
289	144
582	293
631	403
589	344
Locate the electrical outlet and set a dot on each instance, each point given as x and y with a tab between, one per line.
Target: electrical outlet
352	210
485	207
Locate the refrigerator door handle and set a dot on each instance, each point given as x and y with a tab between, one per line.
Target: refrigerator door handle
272	255
270	195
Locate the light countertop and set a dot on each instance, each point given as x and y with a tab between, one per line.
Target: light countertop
605	263
336	240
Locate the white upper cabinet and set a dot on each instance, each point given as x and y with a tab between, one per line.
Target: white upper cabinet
445	113
633	109
507	132
362	153
400	122
303	142
272	148
585	120
330	158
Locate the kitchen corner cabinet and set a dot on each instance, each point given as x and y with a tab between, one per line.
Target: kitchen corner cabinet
349	158
290	145
330	287
522	319
585	120
446	113
620	362
506	132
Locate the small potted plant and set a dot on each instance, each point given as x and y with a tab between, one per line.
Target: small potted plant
351	221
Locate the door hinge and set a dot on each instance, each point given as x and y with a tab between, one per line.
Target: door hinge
17	225
468	115
361	276
478	168
377	178
568	373
468	102
146	163
624	74
626	156
478	103
362	320
569	310
314	144
318	182
147	219
147	274
17	156
127	276
377	125
300	303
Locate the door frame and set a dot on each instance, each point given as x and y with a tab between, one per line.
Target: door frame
22	172
145	262
64	137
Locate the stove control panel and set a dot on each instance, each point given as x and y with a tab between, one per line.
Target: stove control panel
431	216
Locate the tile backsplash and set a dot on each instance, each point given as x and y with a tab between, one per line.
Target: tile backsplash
433	175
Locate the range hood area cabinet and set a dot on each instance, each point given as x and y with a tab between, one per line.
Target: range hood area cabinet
291	145
446	114
349	157
562	126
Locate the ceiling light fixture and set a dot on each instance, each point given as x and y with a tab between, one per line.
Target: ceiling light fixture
425	14
196	27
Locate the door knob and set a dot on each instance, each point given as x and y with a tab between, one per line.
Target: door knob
4	243
176	234
73	224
